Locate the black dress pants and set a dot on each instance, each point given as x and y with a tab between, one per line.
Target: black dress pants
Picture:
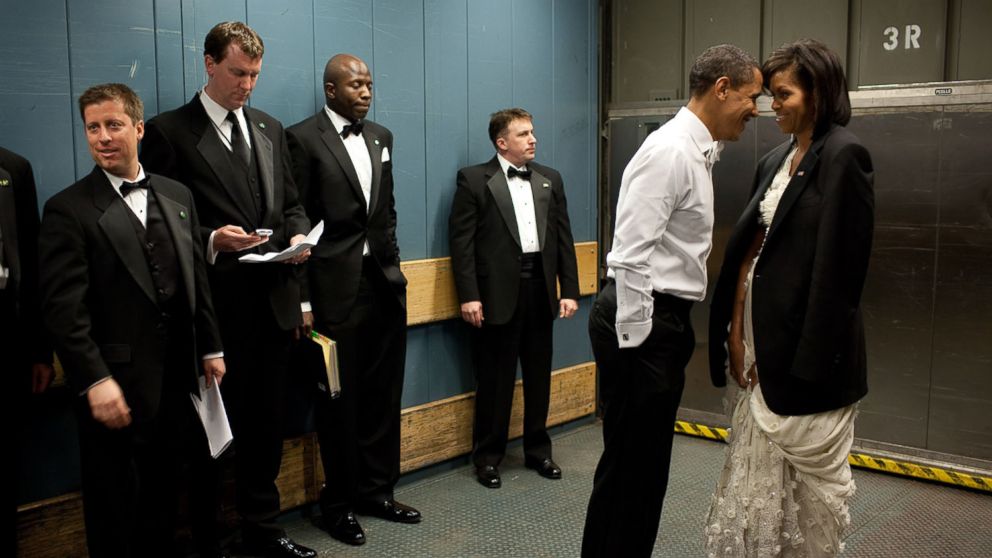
497	348
359	432
640	389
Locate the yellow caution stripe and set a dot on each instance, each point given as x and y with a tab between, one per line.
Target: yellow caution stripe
866	461
926	472
701	430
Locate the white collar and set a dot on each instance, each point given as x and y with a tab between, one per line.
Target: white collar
338	121
116	181
504	164
700	134
217	113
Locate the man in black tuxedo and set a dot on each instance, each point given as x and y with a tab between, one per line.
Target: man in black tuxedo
126	299
343	167
23	343
510	240
235	161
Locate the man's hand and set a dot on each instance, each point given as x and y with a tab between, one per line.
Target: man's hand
567	308
232	238
214	370
472	313
41	376
303	331
302	257
108	405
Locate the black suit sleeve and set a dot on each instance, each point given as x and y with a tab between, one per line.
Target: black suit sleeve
208	338
26	208
840	266
461	232
391	221
294	215
568	272
64	286
299	159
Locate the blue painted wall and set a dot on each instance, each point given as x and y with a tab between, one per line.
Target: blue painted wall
440	68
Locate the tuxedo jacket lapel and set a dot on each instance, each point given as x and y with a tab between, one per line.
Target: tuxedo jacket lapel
116	224
540	187
375	154
798	182
217	157
263	150
333	142
496	182
8	226
182	237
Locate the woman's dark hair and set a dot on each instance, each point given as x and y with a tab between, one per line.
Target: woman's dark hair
819	72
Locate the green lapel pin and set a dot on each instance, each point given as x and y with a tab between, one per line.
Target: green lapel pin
182	214
261	125
376	141
4	182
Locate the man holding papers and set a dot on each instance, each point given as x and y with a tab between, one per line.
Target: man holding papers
235	161
343	166
126	299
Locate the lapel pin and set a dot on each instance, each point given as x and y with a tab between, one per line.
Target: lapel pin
375	141
545	184
800	173
261	125
4	182
182	214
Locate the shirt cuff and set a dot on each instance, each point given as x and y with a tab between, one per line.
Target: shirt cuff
633	334
211	356
94	384
211	251
305	307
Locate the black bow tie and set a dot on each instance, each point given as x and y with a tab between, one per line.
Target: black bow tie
353	128
128	187
513	171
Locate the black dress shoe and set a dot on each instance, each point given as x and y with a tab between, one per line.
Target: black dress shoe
488	476
545	467
283	547
390	510
345	528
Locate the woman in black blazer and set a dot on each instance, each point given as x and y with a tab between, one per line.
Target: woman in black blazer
786	309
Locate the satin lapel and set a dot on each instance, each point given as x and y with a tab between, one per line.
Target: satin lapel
797	184
501	193
540	188
266	169
116	224
177	220
333	142
375	153
217	157
8	224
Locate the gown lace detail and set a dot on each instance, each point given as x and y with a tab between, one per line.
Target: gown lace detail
786	481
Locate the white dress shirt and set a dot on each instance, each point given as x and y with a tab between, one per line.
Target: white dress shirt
523	208
664	223
360	159
137	199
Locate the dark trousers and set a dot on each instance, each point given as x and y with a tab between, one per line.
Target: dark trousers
527	337
11	394
256	354
640	389
131	477
359	432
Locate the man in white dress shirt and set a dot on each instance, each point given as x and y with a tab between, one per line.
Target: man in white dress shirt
510	240
640	330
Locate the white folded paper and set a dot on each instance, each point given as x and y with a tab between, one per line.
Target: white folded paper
309	242
210	407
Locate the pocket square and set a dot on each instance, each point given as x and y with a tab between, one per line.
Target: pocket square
385	154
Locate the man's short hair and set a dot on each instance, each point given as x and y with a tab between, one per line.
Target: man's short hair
820	73
719	61
227	32
97	94
500	120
